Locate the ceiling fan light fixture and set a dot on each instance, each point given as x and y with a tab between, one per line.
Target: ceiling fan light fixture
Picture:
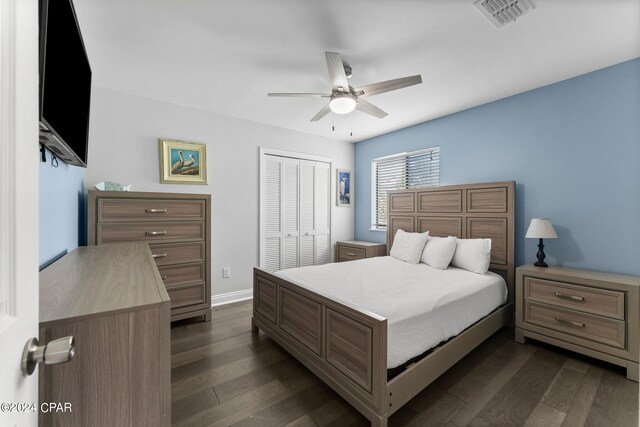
342	104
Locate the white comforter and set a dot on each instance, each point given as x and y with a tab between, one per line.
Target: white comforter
423	306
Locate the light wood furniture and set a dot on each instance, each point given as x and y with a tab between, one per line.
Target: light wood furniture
112	301
347	347
588	312
350	250
177	229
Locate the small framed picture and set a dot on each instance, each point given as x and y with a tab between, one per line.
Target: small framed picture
344	187
182	162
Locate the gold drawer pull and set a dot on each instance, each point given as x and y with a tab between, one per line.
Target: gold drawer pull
160	255
573	297
164	276
156	210
351	254
156	233
571	322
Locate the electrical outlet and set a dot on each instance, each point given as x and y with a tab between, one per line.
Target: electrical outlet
226	272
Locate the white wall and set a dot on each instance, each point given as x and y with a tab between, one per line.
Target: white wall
123	147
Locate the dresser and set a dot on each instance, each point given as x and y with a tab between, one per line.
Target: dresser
177	228
112	301
350	250
589	312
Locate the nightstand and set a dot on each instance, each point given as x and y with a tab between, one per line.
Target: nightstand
352	250
593	313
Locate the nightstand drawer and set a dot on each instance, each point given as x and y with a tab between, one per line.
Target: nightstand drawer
349	253
602	302
594	328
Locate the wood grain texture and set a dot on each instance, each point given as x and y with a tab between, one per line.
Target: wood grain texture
608	305
277	391
94	280
486	211
176	226
120	374
181	274
126	210
187	295
484	200
401	203
440	201
440	226
300	317
351	250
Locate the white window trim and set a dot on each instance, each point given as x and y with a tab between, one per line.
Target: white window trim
372	218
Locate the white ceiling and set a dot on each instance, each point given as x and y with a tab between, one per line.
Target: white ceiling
225	55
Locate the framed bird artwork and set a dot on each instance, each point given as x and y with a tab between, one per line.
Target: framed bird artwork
182	162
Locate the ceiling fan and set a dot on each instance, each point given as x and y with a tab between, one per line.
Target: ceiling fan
343	98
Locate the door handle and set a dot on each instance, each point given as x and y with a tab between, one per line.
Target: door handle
156	210
156	233
57	351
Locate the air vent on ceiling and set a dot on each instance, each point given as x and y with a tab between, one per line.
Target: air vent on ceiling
502	12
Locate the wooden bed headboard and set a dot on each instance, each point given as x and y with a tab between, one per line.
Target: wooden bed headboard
466	211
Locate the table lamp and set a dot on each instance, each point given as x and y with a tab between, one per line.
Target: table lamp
541	228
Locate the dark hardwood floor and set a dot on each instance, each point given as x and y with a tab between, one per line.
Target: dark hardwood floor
223	374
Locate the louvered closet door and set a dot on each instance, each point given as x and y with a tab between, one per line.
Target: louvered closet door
307	213
295	213
290	210
272	213
322	213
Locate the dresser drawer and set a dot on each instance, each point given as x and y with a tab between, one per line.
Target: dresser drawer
180	274
128	210
603	302
594	328
187	295
150	232
349	253
178	253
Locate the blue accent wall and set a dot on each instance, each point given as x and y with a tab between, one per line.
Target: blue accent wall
62	209
573	149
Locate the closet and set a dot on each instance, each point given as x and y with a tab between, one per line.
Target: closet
295	220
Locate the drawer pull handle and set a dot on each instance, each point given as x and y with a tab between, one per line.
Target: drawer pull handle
351	254
160	255
573	297
571	322
156	233
156	210
164	276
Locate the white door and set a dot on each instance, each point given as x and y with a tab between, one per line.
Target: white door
18	203
290	212
323	213
307	213
271	217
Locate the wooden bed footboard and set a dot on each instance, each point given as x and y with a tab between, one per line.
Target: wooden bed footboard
345	347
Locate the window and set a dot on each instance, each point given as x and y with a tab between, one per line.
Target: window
401	171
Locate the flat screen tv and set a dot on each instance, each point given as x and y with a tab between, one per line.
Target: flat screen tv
65	83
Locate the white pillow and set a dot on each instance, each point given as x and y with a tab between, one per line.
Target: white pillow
439	251
473	255
408	246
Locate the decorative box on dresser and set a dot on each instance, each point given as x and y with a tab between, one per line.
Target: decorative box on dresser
353	249
177	228
589	312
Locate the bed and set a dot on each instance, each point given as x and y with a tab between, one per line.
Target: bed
344	326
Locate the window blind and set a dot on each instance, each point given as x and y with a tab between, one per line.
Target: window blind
402	171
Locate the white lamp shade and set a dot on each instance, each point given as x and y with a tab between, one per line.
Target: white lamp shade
342	104
541	228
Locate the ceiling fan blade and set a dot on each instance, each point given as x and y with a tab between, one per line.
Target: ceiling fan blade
336	72
369	108
306	95
326	110
389	85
